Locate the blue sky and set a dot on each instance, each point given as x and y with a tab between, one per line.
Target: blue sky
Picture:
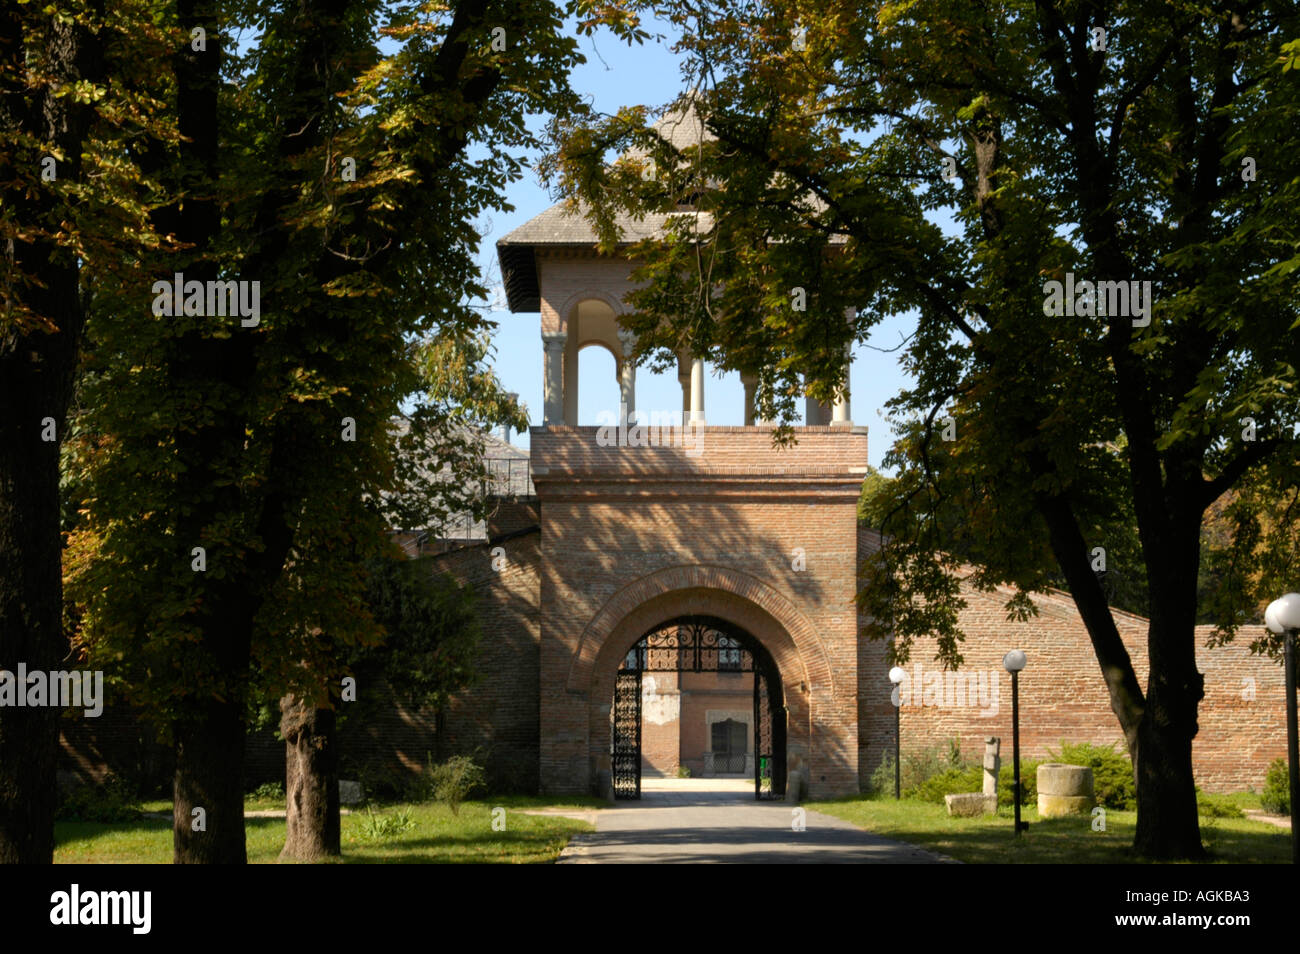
615	76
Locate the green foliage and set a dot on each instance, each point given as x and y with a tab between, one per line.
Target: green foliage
950	781
454	780
873	499
432	630
113	800
268	791
922	764
1276	796
970	778
954	751
930	774
683	771
1112	772
202	431
1216	806
381	827
882	777
1028	782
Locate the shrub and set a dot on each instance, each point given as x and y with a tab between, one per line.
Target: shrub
954	752
270	791
951	781
1028	782
683	771
882	779
1112	772
1216	806
111	801
454	780
376	827
1276	797
923	765
919	766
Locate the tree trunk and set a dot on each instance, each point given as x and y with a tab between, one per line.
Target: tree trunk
208	787
30	611
311	782
1159	725
1168	826
36	372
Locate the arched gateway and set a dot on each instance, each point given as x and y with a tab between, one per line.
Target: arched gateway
698	645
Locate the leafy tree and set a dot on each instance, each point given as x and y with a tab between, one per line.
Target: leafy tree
234	468
430	643
73	205
952	159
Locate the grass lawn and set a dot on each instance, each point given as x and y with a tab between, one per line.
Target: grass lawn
1054	841
436	837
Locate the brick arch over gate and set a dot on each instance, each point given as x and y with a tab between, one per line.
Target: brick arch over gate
798	651
728	594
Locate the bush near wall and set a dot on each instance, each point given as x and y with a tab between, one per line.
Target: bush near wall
112	801
1112	772
1276	797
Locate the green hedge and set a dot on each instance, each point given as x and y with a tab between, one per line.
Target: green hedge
970	778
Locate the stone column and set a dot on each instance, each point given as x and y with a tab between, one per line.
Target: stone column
570	402
697	391
684	379
840	414
750	382
992	765
627	379
553	377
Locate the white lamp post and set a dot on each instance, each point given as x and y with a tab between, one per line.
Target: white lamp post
1013	662
1283	617
896	676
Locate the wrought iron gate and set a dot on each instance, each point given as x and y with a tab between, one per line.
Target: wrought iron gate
769	735
699	644
626	757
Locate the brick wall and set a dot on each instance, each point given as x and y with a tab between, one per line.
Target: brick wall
661	725
1062	695
499	714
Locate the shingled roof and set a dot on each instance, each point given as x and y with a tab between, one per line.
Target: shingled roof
558	227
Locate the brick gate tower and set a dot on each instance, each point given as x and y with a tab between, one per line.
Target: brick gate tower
644	526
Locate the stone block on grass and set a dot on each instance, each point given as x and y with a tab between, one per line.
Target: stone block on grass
971	804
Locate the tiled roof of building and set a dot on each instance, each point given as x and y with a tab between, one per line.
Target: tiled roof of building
558	226
509	475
